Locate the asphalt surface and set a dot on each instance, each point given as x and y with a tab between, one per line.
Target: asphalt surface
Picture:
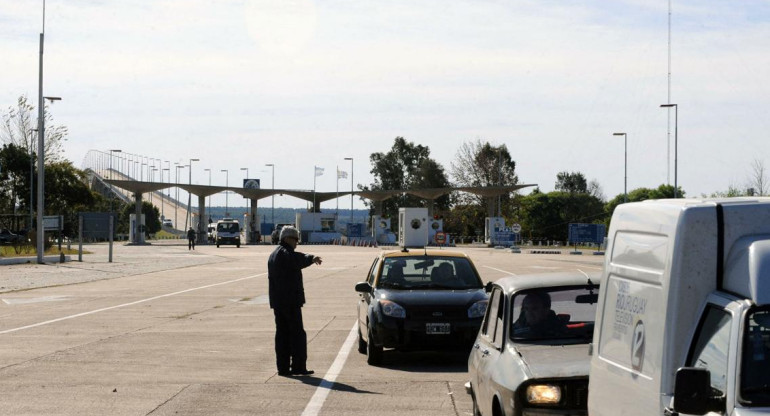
167	331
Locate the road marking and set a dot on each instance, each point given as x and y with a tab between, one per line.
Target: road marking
319	397
78	315
502	271
24	301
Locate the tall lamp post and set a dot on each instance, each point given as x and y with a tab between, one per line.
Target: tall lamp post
189	196
351	188
209	199
272	197
162	200
248	200
176	202
111	194
227	184
676	125
625	165
41	159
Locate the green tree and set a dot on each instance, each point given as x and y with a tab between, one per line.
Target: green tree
572	182
14	179
406	166
547	216
151	217
640	194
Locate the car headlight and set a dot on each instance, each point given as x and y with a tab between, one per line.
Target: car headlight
478	309
392	309
543	394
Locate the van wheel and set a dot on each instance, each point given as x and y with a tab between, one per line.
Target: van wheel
217	245
237	246
361	343
373	352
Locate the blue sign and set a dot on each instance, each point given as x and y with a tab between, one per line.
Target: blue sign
587	233
355	230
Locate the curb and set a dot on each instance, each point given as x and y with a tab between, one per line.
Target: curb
25	260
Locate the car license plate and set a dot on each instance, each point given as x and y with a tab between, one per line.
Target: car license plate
436	328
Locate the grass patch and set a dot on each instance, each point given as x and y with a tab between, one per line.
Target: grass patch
9	251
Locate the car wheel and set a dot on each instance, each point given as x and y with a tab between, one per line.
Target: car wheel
361	343
237	246
217	245
373	352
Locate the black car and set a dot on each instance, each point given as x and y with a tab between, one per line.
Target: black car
419	300
7	237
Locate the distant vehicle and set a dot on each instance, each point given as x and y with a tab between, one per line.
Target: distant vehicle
7	237
275	236
167	223
228	231
211	232
419	300
531	355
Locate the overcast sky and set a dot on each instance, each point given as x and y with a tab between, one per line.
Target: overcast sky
303	83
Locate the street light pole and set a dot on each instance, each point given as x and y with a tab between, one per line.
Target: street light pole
248	200
625	165
676	139
272	197
41	160
176	201
209	199
189	196
111	194
351	188
227	184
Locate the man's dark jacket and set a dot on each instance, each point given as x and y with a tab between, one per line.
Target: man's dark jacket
284	272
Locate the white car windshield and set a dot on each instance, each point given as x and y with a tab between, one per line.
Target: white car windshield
554	313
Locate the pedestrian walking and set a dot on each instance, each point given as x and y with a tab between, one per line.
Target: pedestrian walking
287	295
191	239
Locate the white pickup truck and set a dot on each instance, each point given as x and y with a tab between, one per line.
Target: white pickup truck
683	321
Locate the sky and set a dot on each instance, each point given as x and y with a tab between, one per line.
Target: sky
304	83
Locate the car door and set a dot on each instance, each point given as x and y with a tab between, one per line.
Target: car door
486	350
365	301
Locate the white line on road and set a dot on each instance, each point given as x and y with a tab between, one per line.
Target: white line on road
318	399
8	331
502	271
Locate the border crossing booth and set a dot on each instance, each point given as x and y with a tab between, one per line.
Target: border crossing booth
412	227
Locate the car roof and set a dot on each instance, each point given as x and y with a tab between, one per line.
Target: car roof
511	284
415	252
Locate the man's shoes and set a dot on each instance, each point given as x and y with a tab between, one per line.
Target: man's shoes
304	372
284	373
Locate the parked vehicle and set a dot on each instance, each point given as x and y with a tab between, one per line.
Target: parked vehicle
419	300
275	236
683	322
7	237
228	231
531	356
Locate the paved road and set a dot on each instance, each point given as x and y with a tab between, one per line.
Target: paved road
166	331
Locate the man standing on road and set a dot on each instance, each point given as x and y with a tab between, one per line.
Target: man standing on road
287	295
191	239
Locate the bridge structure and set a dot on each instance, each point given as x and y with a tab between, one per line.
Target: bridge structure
129	189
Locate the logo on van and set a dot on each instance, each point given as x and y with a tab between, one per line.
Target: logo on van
637	347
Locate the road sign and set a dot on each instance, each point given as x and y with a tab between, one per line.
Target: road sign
516	228
53	222
586	233
440	237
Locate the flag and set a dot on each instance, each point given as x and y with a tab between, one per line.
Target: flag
319	171
341	174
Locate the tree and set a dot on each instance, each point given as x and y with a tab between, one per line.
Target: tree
407	166
571	182
14	179
758	179
641	194
20	128
151	217
547	216
481	164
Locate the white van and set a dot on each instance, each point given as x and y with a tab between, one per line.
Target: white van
228	231
683	321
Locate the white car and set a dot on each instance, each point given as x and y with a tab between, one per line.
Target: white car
531	354
167	223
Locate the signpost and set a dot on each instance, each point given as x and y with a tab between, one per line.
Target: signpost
586	233
440	238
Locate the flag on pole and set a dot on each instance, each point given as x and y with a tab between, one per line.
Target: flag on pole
319	171
341	174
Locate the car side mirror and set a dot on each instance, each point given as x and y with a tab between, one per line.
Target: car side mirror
488	287
363	287
693	393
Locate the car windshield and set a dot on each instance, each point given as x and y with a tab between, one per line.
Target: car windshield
560	313
228	227
755	371
428	272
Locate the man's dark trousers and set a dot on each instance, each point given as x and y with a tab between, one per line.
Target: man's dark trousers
290	340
